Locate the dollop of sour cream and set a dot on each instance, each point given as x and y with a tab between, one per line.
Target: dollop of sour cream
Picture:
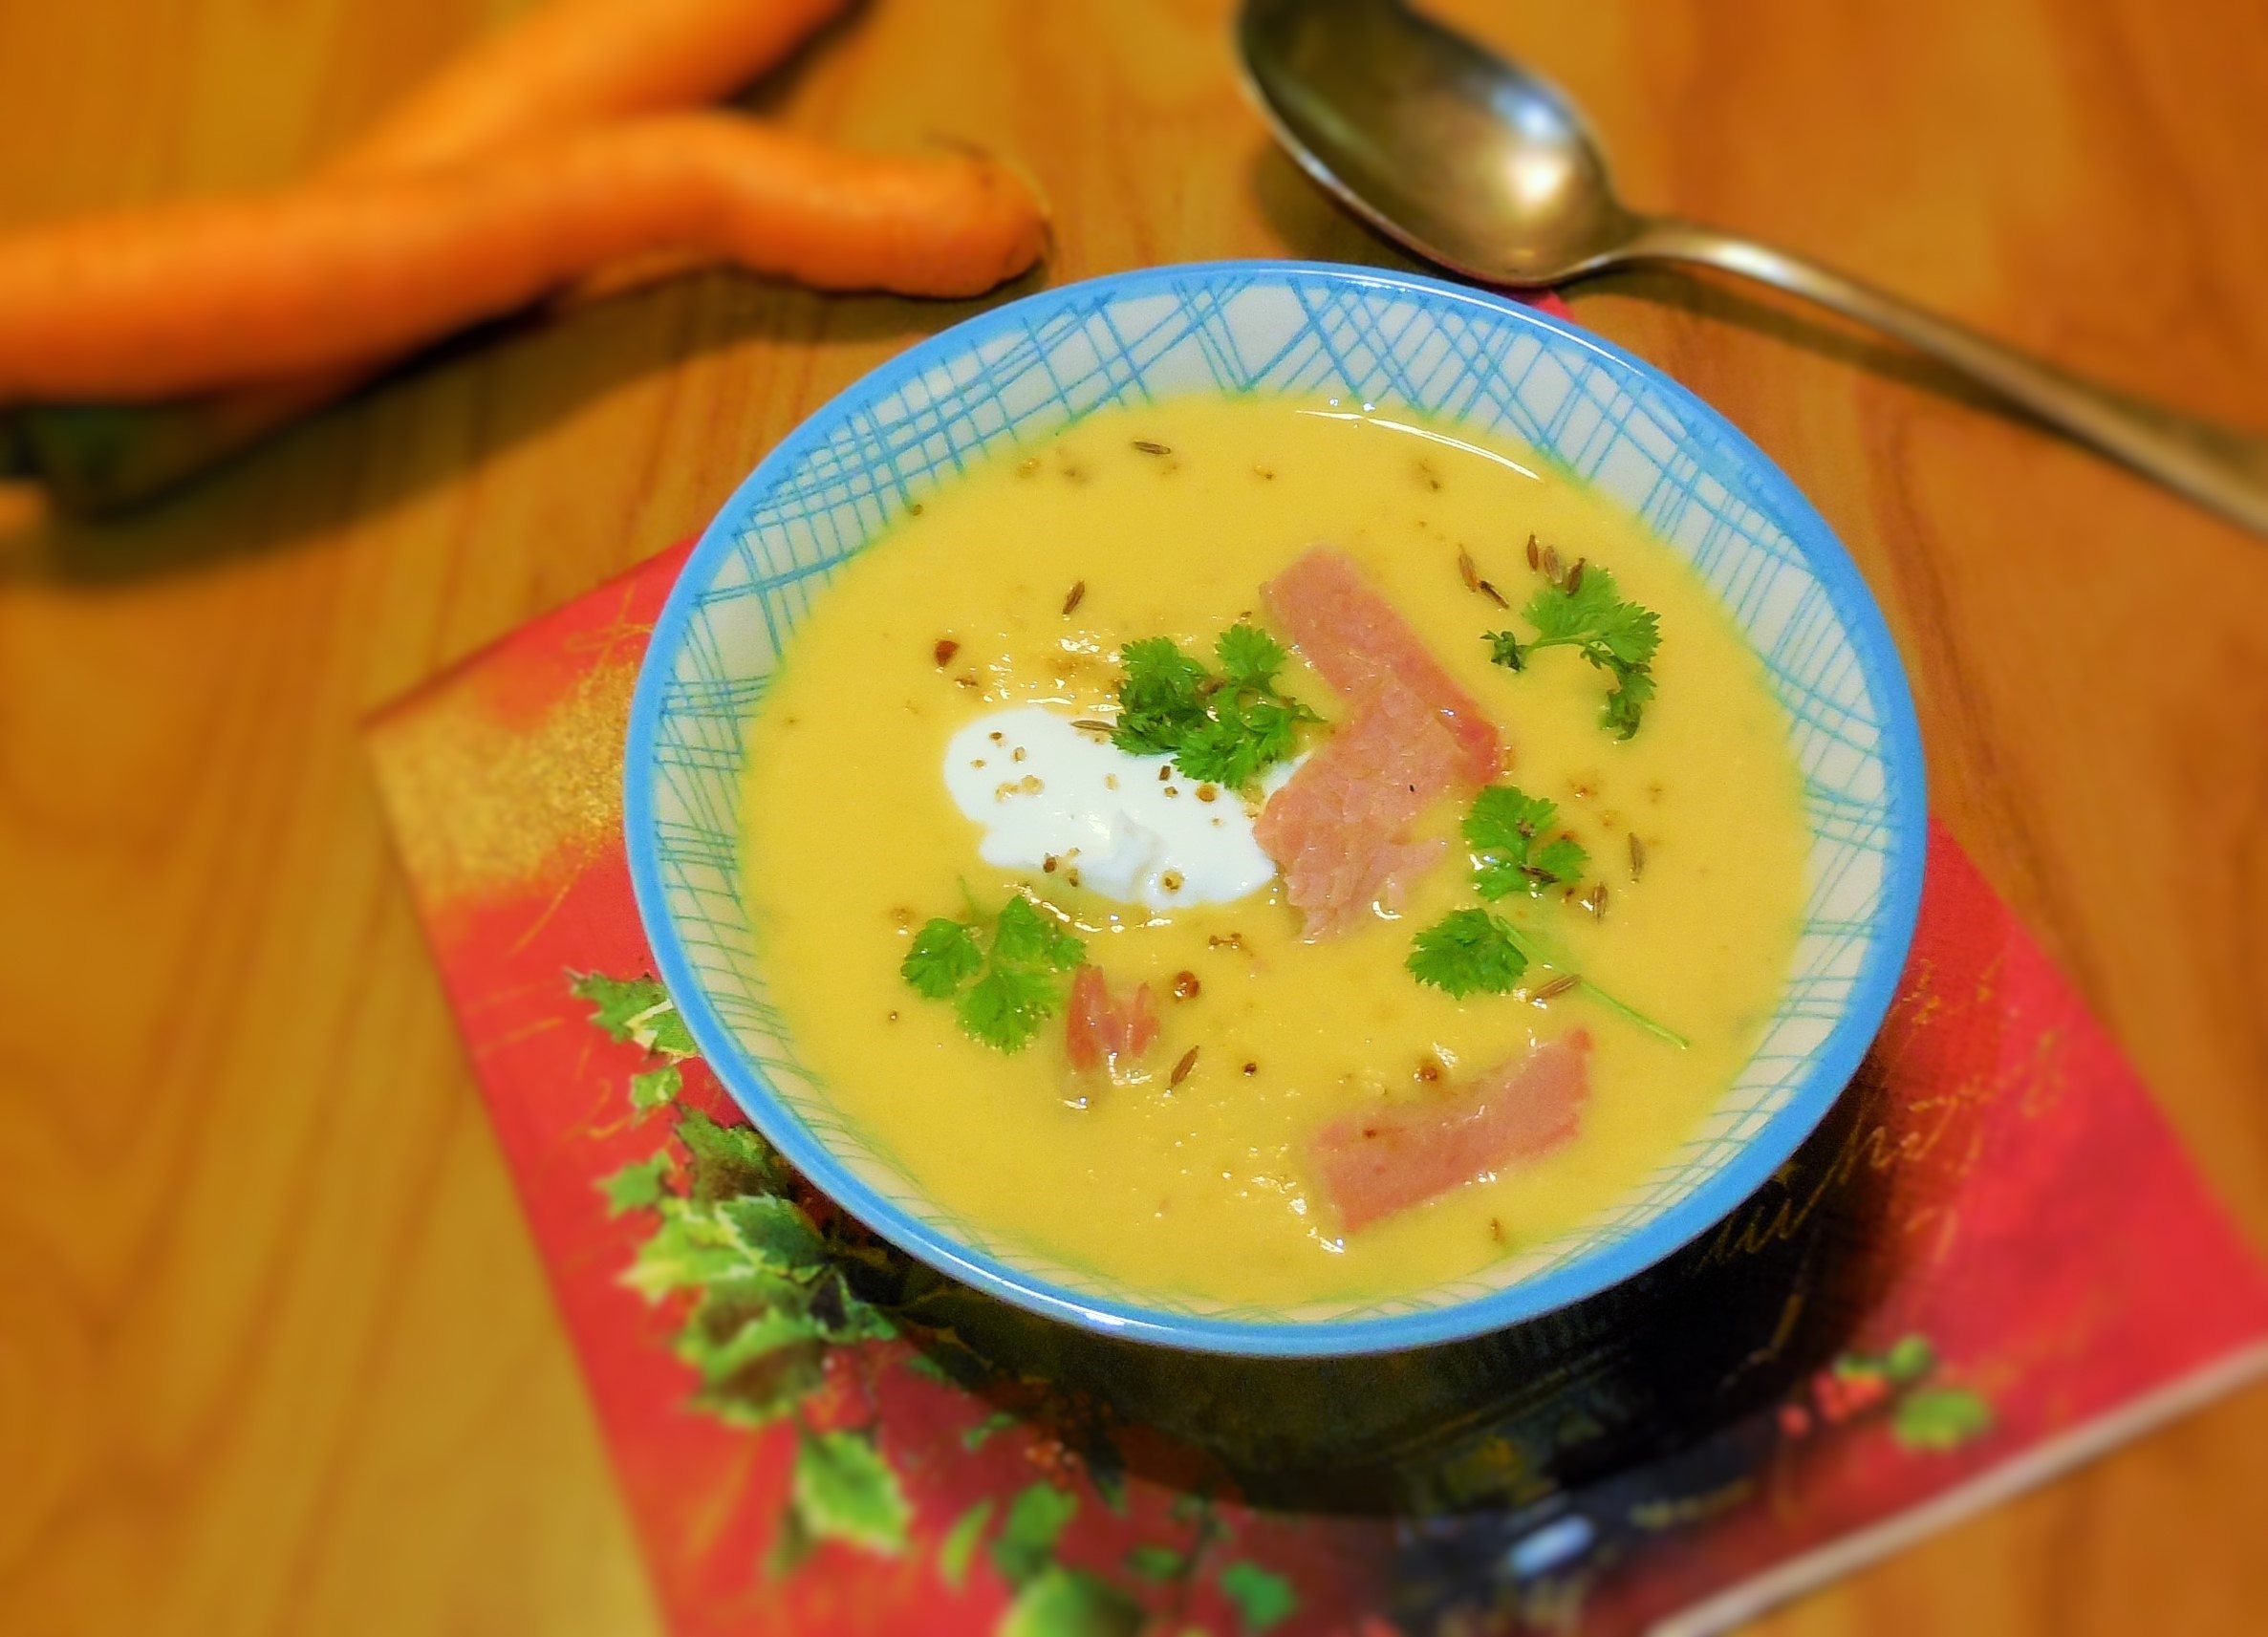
1064	799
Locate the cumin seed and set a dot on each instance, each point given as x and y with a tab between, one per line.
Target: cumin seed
1467	569
1493	594
1575	576
1151	446
1181	1068
1595	902
1637	856
1558	986
1092	725
1551	564
1078	596
1533	560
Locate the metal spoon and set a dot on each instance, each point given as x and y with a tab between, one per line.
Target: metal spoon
1474	163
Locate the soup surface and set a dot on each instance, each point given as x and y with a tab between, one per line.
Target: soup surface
1289	1113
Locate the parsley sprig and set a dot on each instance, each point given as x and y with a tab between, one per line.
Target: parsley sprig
1474	952
1582	610
1469	951
1507	831
1227	729
1018	963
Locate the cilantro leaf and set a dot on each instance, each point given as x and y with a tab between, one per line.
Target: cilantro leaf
1626	703
1245	738
1504	830
1218	752
1159	698
1468	952
1223	730
1249	657
1591	615
1022	936
1006	1008
1471	951
944	957
1583	610
1017	964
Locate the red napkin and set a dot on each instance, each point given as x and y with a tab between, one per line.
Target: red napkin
1993	1261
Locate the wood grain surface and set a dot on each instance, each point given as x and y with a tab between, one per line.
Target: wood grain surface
275	1354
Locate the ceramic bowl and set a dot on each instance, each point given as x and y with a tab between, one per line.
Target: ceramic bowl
1019	373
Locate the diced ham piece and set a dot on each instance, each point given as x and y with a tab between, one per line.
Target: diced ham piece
1335	828
1354	637
1373	1165
1099	1030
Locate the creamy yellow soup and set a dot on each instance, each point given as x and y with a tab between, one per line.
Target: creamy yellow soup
1170	517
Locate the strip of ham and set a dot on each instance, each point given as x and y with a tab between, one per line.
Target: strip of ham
1335	828
1354	637
1098	1031
1373	1165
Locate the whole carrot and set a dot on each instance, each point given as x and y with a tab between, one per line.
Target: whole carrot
582	62
199	295
566	62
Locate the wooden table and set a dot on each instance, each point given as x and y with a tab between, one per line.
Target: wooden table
275	1354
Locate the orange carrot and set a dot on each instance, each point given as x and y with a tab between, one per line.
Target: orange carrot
193	297
582	62
568	62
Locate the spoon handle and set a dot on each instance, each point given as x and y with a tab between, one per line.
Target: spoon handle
2215	465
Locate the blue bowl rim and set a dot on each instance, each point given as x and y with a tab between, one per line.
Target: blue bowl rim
1584	1276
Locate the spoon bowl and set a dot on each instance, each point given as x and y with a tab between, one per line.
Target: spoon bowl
1467	160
